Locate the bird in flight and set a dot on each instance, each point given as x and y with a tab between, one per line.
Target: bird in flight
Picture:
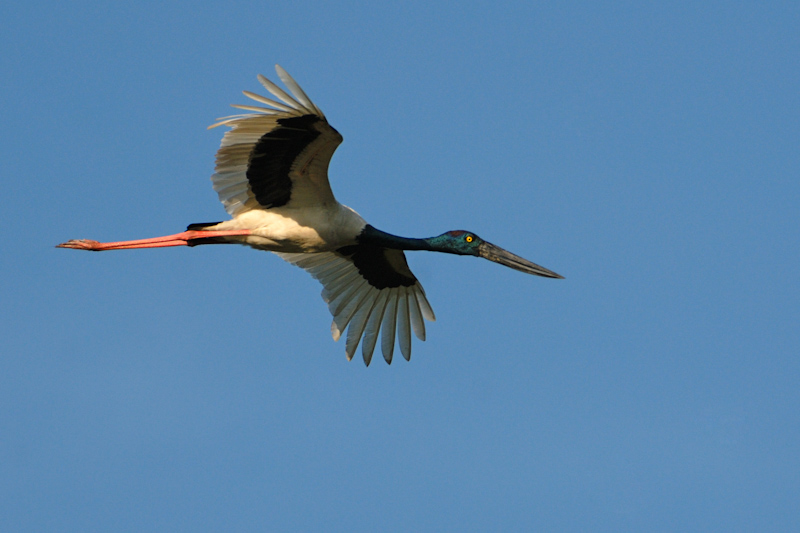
272	177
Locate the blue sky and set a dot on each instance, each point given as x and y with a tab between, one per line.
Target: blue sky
648	153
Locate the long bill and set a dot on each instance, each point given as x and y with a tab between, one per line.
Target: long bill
504	257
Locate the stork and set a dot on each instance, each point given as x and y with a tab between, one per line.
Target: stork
272	177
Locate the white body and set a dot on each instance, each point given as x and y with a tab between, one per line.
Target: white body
297	229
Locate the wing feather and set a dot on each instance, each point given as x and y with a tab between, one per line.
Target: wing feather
349	310
359	322
298	92
373	327
276	156
403	322
425	307
257	109
364	310
389	326
349	291
281	95
416	316
268	101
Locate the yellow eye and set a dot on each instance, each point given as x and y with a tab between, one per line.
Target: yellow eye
468	238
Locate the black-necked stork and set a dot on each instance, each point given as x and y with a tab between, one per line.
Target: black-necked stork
272	177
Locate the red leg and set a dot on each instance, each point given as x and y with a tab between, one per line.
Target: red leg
179	239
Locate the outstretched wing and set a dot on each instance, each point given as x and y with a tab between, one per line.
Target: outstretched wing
369	289
276	156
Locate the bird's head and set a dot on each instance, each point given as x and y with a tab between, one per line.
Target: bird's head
462	242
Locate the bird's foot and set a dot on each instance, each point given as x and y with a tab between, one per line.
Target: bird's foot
80	244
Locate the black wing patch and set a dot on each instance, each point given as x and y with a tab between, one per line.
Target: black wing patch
272	158
375	265
200	225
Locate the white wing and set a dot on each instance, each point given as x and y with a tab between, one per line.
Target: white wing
364	309
278	155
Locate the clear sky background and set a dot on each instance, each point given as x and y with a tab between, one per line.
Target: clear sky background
648	154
